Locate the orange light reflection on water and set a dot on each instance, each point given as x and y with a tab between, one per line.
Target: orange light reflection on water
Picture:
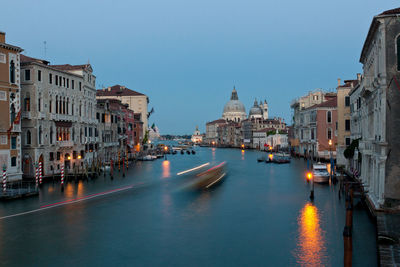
311	247
166	169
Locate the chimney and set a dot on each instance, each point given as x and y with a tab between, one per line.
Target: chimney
2	37
359	77
338	81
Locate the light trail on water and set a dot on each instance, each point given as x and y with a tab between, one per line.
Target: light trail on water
67	202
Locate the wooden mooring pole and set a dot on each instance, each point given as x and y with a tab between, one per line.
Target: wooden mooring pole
347	232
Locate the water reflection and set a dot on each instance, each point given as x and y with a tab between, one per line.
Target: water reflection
242	154
166	169
311	247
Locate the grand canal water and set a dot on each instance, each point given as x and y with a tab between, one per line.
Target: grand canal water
259	216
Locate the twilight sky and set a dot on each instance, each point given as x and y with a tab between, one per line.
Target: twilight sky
187	55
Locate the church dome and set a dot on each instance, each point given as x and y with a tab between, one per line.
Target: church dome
234	106
234	110
255	110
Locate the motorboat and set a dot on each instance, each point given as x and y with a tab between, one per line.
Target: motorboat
262	159
281	158
320	173
147	158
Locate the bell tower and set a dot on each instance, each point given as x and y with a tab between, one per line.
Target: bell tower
265	110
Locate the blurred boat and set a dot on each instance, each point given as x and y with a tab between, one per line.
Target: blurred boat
209	178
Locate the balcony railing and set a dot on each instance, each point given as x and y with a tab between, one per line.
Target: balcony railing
26	115
65	143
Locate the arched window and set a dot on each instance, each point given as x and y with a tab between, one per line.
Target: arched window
57	104
398	52
28	137
67	106
329	117
12	71
329	134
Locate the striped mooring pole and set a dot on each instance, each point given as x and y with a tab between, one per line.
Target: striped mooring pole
37	174
40	173
4	178
62	177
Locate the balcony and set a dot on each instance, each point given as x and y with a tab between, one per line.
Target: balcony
62	117
16	128
26	115
65	143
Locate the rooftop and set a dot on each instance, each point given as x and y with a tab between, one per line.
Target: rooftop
117	90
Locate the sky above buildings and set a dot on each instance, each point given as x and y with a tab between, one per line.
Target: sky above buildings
187	55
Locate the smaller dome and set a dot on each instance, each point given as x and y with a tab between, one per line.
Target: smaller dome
255	110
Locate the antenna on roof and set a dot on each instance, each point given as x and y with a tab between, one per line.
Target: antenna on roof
45	49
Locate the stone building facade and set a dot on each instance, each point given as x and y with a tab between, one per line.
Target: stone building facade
112	129
379	111
136	101
344	120
10	115
58	116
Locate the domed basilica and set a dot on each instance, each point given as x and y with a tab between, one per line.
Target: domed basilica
235	111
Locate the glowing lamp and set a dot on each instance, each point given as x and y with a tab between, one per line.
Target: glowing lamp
165	148
309	175
79	156
330	142
59	138
242	146
69	157
270	156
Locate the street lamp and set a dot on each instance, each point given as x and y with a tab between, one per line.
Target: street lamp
331	160
310	178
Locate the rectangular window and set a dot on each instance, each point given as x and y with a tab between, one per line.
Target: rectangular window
73	84
13	142
59	80
64	81
50	78
347	125
347	101
58	155
56	79
3	140
336	126
329	117
50	106
302	134
3	58
347	141
312	134
51	156
67	83
27	75
39	75
13	161
80	86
